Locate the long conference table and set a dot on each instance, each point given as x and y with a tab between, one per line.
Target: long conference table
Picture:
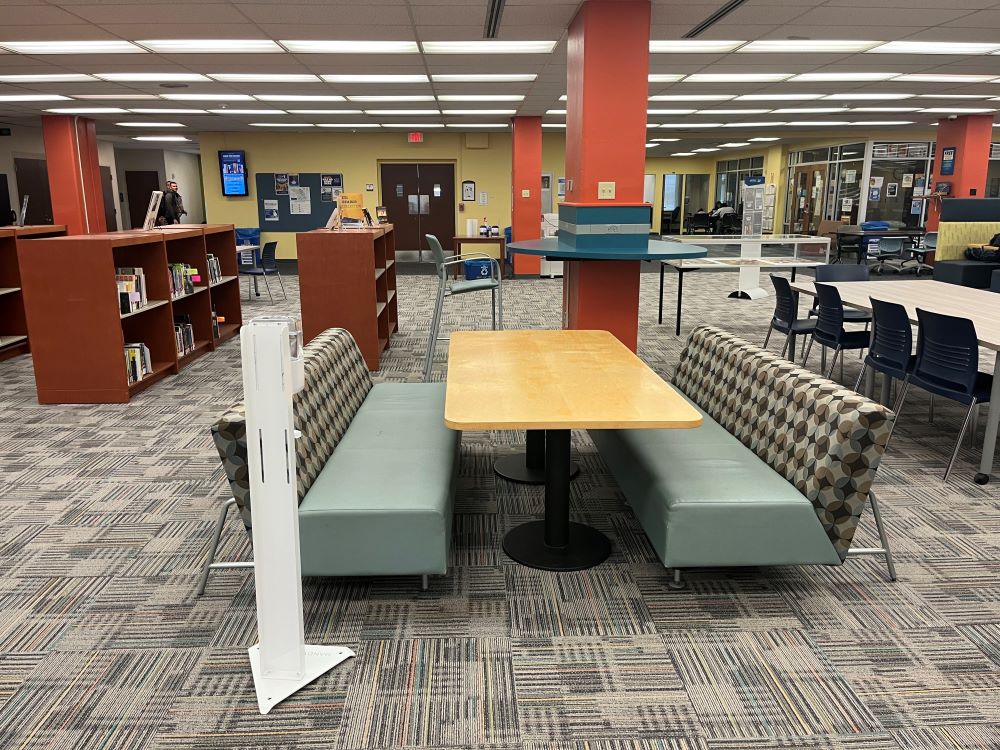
980	306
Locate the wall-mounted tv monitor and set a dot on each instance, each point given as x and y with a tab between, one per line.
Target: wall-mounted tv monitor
233	166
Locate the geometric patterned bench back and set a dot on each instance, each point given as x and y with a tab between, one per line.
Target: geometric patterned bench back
826	440
336	384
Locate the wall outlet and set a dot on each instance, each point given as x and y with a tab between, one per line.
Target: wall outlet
525	193
605	191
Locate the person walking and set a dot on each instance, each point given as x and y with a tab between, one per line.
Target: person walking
178	201
168	206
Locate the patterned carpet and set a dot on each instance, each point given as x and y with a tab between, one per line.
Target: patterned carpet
106	513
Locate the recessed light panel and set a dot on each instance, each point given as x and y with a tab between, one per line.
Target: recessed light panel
684	153
150	77
670	111
298	97
207	97
692	97
349	47
481	98
483	77
377	78
211	46
809	110
477	125
840	77
281	125
867	97
778	97
405	112
347	126
762	124
765	139
413	125
812	46
164	138
691	125
935	78
704	46
957	110
329	112
46	78
87	111
488	47
401	98
704	150
33	98
936	48
168	111
264	77
737	77
734	145
733	111
666	140
247	111
117	97
150	124
474	112
90	47
665	77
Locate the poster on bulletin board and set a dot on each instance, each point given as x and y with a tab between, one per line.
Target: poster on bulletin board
352	205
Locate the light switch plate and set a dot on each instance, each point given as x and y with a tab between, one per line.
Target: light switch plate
605	191
525	193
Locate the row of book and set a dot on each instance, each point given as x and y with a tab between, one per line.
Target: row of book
138	362
214	270
182	278
183	335
131	289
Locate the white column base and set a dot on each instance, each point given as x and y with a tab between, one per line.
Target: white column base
271	690
752	293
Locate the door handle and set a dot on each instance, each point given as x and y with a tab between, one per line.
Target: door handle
425	205
412	205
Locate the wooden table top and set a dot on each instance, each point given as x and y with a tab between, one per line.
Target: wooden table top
556	380
978	305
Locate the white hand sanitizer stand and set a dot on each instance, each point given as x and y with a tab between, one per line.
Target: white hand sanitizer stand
273	370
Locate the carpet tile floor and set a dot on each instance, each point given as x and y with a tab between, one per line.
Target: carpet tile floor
106	513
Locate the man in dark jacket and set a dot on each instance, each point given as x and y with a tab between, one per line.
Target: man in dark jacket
168	206
178	202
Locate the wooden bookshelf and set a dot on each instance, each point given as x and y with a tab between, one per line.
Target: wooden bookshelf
347	279
75	323
13	323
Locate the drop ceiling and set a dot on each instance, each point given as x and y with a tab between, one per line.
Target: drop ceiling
235	104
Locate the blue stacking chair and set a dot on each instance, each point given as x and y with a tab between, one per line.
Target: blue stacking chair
890	350
267	266
786	315
829	330
844	272
947	364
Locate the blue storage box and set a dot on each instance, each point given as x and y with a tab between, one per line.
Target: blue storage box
477	269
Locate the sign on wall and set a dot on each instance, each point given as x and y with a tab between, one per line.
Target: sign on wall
948	160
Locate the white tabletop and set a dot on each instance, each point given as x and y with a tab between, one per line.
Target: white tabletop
735	239
978	305
734	264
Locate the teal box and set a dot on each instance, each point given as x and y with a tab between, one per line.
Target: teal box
607	228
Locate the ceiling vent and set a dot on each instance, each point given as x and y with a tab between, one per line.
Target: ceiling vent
713	19
494	12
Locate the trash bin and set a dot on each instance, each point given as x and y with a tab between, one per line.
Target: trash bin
477	269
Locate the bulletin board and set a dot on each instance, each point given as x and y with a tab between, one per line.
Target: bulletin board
317	217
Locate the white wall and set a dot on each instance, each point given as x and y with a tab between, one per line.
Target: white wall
137	160
23	142
185	169
106	158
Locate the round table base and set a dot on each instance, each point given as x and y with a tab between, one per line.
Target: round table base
587	547
516	469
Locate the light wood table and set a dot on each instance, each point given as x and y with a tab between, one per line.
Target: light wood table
978	305
551	382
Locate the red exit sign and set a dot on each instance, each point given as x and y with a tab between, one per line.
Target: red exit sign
414	137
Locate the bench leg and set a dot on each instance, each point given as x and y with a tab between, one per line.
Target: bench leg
676	583
210	563
424	583
884	550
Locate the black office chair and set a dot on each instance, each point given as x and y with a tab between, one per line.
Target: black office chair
889	253
700	224
785	319
919	253
829	330
890	349
267	266
731	224
832	273
947	364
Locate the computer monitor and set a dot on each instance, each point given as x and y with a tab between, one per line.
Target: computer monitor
24	211
153	210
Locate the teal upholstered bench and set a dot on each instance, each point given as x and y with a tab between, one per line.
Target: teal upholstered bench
376	468
778	474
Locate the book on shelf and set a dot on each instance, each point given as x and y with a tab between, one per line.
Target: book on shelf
138	362
131	289
183	334
214	270
215	323
182	278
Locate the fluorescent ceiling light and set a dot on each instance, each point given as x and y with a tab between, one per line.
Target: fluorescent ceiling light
33	98
207	97
762	124
142	111
840	77
483	77
330	112
664	77
957	110
349	47
298	97
652	145
816	46
939	78
403	98
733	111
170	138
265	77
670	111
777	97
99	47
704	150
347	125
488	47
686	125
955	96
762	139
809	110
88	111
247	111
474	112
692	45
936	48
211	46
412	125
866	97
553	124
737	77
882	122
117	97
379	78
46	78
816	123
684	153
150	124
282	124
150	77
883	109
734	145
555	111
666	140
691	97
402	112
481	98
477	125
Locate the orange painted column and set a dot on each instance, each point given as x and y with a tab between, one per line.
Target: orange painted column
526	172
74	173
970	137
607	69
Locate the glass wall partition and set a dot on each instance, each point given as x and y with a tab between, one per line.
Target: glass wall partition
897	170
729	176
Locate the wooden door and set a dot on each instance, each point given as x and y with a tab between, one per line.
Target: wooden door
6	214
138	186
437	203
108	188
809	194
33	180
400	191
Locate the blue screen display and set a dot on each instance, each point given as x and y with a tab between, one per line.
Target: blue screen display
233	166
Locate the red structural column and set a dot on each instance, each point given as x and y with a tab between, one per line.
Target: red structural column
526	202
606	91
74	173
970	136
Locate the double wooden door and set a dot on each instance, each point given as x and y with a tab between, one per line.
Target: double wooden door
420	200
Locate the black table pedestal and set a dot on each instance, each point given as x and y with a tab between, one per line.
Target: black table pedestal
528	467
555	543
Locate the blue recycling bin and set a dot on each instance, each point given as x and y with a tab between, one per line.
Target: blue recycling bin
477	269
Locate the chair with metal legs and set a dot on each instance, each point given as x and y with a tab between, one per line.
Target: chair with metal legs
786	316
829	331
844	272
448	288
891	349
947	364
268	266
